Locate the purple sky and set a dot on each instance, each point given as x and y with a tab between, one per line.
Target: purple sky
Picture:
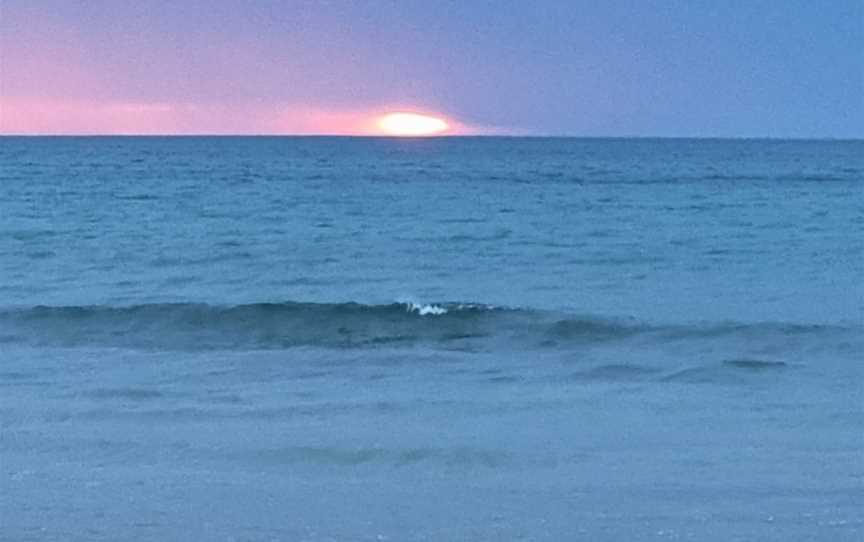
666	68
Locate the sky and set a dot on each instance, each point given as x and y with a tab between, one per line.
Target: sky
668	68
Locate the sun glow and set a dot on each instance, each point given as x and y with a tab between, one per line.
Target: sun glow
411	124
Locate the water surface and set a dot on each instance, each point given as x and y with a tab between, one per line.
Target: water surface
431	339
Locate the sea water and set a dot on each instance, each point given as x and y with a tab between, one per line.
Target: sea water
340	339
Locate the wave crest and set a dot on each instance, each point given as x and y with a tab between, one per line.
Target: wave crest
196	326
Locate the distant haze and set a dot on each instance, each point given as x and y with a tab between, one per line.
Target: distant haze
643	68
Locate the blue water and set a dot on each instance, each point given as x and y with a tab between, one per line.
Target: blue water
431	339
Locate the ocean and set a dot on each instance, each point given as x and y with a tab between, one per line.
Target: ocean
369	339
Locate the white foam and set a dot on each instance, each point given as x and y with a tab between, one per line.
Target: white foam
425	310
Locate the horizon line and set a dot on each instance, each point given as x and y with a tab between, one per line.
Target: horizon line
439	137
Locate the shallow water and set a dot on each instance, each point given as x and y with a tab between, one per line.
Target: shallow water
439	339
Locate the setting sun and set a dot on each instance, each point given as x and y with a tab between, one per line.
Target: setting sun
411	124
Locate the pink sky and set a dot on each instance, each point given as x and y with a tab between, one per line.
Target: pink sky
62	78
44	116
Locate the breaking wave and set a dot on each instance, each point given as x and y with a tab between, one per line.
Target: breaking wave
470	326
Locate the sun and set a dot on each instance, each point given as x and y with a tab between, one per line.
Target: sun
411	124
